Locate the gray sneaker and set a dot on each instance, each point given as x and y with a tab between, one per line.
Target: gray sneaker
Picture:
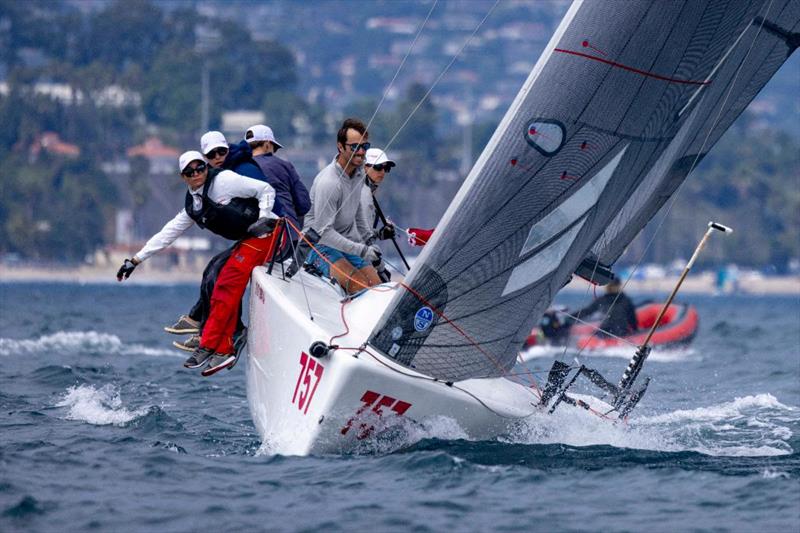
218	362
184	326
189	345
198	357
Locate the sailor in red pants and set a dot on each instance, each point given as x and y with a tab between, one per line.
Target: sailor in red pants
228	291
234	207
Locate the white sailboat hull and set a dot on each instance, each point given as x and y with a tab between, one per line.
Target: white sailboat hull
333	404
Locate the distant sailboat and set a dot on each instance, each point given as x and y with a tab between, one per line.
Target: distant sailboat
624	102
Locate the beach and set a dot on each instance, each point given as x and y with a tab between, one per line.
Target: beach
147	274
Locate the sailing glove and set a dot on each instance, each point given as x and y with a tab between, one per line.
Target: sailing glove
262	227
383	273
126	269
370	253
386	232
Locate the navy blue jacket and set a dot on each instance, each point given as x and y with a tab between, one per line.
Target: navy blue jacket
240	160
284	179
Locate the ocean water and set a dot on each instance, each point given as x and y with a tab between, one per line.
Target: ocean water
102	429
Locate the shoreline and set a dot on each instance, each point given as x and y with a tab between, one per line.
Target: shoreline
701	283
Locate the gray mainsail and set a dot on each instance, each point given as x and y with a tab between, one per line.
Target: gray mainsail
599	136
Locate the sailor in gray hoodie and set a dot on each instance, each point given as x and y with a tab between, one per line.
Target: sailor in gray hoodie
336	214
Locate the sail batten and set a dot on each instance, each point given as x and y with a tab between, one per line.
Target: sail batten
623	102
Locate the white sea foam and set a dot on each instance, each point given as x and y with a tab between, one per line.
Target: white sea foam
97	406
76	342
771	473
659	354
748	426
739	408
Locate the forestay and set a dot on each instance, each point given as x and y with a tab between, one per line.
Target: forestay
626	96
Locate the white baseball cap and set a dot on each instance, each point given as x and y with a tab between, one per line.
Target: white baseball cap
211	140
376	156
260	132
188	157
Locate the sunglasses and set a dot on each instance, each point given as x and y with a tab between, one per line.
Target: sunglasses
217	152
358	146
191	171
382	166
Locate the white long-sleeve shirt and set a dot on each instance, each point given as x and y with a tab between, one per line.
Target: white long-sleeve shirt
226	186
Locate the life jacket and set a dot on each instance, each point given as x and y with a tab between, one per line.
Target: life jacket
229	221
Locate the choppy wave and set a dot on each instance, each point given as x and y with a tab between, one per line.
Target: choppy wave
659	354
78	342
750	426
100	407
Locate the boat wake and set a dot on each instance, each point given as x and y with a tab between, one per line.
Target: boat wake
85	342
99	407
751	426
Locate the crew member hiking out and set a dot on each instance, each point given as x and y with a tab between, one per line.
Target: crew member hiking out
238	158
237	208
336	214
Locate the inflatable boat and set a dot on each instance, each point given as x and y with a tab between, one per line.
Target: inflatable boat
677	327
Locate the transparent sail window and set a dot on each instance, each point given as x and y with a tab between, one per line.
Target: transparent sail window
547	136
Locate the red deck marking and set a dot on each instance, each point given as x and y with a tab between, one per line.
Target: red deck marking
583	145
401	407
308	367
303	361
514	162
367	399
377	402
318	374
386	401
631	69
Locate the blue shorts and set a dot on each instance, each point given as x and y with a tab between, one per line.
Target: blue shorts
332	255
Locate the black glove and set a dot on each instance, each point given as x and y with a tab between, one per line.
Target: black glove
380	267
384	275
126	269
302	251
262	227
386	232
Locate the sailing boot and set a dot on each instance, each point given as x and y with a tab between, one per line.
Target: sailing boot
184	326
189	345
219	361
198	357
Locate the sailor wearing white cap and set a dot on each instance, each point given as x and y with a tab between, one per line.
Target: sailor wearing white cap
376	164
237	208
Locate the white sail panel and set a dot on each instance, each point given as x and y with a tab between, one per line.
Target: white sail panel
575	207
539	265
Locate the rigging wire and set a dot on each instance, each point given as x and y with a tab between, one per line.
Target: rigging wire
403	62
422	100
386	92
441	74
